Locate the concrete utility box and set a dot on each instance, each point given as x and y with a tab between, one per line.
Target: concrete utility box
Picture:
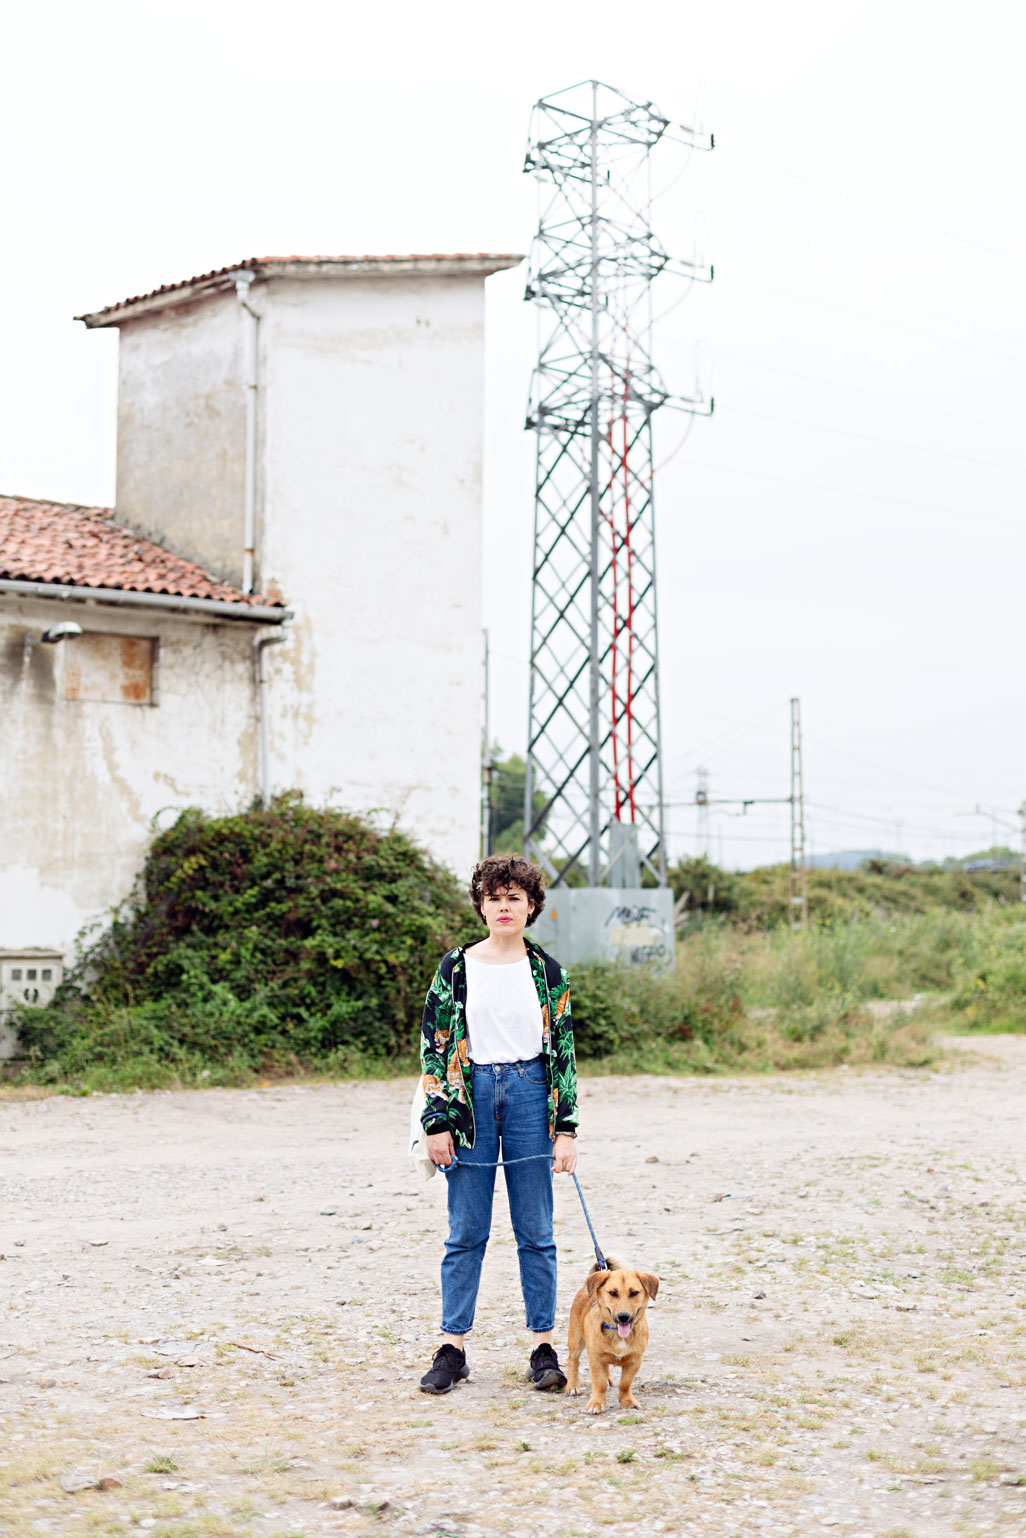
29	976
632	925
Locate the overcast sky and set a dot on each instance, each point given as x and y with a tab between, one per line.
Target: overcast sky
848	528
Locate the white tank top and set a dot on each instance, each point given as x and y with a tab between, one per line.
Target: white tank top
504	1018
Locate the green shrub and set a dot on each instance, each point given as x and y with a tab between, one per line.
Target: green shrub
284	935
618	1010
991	984
758	899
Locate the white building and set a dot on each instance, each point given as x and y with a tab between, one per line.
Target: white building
299	461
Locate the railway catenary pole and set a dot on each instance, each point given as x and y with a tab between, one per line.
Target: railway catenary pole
593	787
798	907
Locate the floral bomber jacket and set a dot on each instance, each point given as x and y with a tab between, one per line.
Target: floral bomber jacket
448	1072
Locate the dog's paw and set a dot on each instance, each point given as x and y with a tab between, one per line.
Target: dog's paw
574	1393
593	1407
630	1403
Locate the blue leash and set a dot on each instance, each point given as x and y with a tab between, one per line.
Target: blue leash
494	1164
598	1253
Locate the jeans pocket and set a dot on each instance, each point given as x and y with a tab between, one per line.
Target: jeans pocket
534	1073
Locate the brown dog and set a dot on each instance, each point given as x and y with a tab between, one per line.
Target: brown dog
608	1316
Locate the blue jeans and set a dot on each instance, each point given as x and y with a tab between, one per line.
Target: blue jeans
511	1113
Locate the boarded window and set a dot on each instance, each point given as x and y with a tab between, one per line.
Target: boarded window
114	668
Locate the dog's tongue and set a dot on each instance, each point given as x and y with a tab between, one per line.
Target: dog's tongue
623	1330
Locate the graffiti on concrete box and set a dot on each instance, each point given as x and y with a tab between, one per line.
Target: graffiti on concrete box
634	932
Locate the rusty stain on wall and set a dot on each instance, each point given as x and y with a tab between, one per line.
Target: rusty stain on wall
117	669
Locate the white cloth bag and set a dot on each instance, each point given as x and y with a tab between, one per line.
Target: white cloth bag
418	1137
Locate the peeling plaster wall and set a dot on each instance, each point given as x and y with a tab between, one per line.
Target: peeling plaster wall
182	431
369	510
82	780
372	423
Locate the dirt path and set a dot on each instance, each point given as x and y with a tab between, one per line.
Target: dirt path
839	1343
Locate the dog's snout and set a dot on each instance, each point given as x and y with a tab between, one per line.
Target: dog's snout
623	1317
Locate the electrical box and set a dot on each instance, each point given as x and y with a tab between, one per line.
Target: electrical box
29	976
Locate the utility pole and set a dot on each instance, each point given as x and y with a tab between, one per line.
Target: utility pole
798	900
702	803
799	897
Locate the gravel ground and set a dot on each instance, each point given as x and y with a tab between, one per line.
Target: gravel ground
216	1307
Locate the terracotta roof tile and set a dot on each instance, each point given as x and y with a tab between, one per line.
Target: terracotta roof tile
85	547
272	266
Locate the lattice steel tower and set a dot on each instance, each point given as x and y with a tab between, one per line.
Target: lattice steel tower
594	795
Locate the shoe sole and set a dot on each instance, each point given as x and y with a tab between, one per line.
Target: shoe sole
551	1378
429	1388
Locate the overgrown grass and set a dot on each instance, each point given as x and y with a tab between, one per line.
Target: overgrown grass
743	1002
890	957
763	1048
990	991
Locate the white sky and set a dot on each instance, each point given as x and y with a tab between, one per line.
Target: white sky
848	527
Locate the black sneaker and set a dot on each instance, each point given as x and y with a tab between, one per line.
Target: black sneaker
545	1371
448	1367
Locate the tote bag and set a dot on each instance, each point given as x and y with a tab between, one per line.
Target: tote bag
418	1137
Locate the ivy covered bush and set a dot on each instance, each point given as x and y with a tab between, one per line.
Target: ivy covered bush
279	937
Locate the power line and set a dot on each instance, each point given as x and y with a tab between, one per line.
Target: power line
821	806
780	839
892	443
897	774
868	821
739	838
841	820
874	391
726	741
876	320
860	496
821	742
890	297
884	208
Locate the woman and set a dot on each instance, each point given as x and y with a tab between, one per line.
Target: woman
497	1051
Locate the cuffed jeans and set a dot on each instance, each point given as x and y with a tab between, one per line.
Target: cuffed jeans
511	1114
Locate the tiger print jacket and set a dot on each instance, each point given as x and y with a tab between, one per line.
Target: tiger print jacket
448	1072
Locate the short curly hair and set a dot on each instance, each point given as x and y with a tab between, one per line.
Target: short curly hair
501	871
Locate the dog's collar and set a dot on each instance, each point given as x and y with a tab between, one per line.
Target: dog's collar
613	1326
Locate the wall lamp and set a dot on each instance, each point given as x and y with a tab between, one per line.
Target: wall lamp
68	631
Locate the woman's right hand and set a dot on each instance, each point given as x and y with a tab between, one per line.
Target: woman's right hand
440	1149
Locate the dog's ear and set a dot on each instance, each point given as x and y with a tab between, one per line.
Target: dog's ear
649	1282
594	1282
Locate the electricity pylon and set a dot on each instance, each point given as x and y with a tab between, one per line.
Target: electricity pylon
594	768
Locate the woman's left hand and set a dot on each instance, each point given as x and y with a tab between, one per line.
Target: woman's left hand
564	1155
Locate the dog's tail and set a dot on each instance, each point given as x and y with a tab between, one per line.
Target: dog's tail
611	1265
